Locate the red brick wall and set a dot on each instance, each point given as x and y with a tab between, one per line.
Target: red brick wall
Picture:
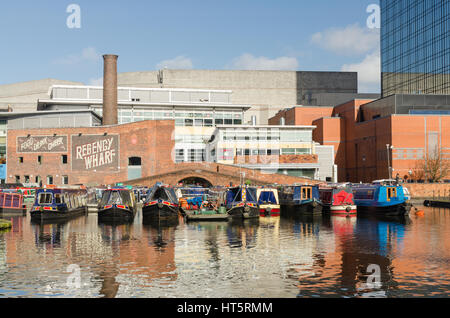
429	190
217	174
150	140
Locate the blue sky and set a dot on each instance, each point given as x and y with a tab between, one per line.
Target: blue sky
320	35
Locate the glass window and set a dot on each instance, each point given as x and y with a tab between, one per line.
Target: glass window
45	198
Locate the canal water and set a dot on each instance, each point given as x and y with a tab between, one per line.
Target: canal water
274	258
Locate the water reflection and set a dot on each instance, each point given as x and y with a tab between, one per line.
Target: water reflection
242	234
305	256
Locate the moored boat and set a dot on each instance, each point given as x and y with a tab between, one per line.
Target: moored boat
269	204
59	204
241	202
301	199
12	203
337	199
384	198
117	204
161	202
210	208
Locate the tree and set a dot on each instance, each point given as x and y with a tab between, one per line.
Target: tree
434	167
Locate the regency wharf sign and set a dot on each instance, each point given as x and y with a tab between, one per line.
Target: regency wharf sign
42	144
95	152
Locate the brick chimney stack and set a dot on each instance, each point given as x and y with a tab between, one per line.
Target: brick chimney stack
110	116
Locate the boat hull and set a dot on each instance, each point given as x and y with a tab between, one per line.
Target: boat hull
402	209
56	216
309	208
162	211
242	213
9	211
340	209
193	216
269	211
116	214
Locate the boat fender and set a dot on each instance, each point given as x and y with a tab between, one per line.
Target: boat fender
160	205
247	208
314	204
348	209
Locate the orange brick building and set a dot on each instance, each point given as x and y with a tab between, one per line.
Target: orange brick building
360	131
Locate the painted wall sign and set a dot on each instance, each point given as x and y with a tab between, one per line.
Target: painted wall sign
95	152
42	144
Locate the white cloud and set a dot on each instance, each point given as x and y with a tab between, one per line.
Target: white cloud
351	40
262	63
369	73
180	62
96	81
89	54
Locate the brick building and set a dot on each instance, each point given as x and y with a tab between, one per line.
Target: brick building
89	155
379	139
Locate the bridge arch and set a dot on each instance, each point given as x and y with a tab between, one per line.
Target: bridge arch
195	180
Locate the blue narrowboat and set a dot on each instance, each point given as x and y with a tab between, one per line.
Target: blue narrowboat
241	202
301	199
59	204
117	204
385	198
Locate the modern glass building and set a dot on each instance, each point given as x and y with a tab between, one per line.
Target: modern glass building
415	47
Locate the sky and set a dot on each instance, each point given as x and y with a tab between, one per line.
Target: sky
48	39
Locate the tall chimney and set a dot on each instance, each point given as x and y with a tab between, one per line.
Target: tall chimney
110	90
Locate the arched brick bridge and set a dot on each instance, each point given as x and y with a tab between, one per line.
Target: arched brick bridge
217	175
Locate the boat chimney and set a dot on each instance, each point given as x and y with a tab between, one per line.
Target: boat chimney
110	116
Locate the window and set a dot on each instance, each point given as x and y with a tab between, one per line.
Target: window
27	179
20	159
65	180
49	179
64	159
391	193
17	179
45	198
39	160
58	198
134	161
306	193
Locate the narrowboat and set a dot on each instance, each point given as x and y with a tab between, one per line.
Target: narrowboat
241	202
383	198
161	202
268	201
301	199
59	204
29	194
12	203
117	204
337	199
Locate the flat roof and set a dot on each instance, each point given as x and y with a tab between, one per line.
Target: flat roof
48	112
144	89
85	102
